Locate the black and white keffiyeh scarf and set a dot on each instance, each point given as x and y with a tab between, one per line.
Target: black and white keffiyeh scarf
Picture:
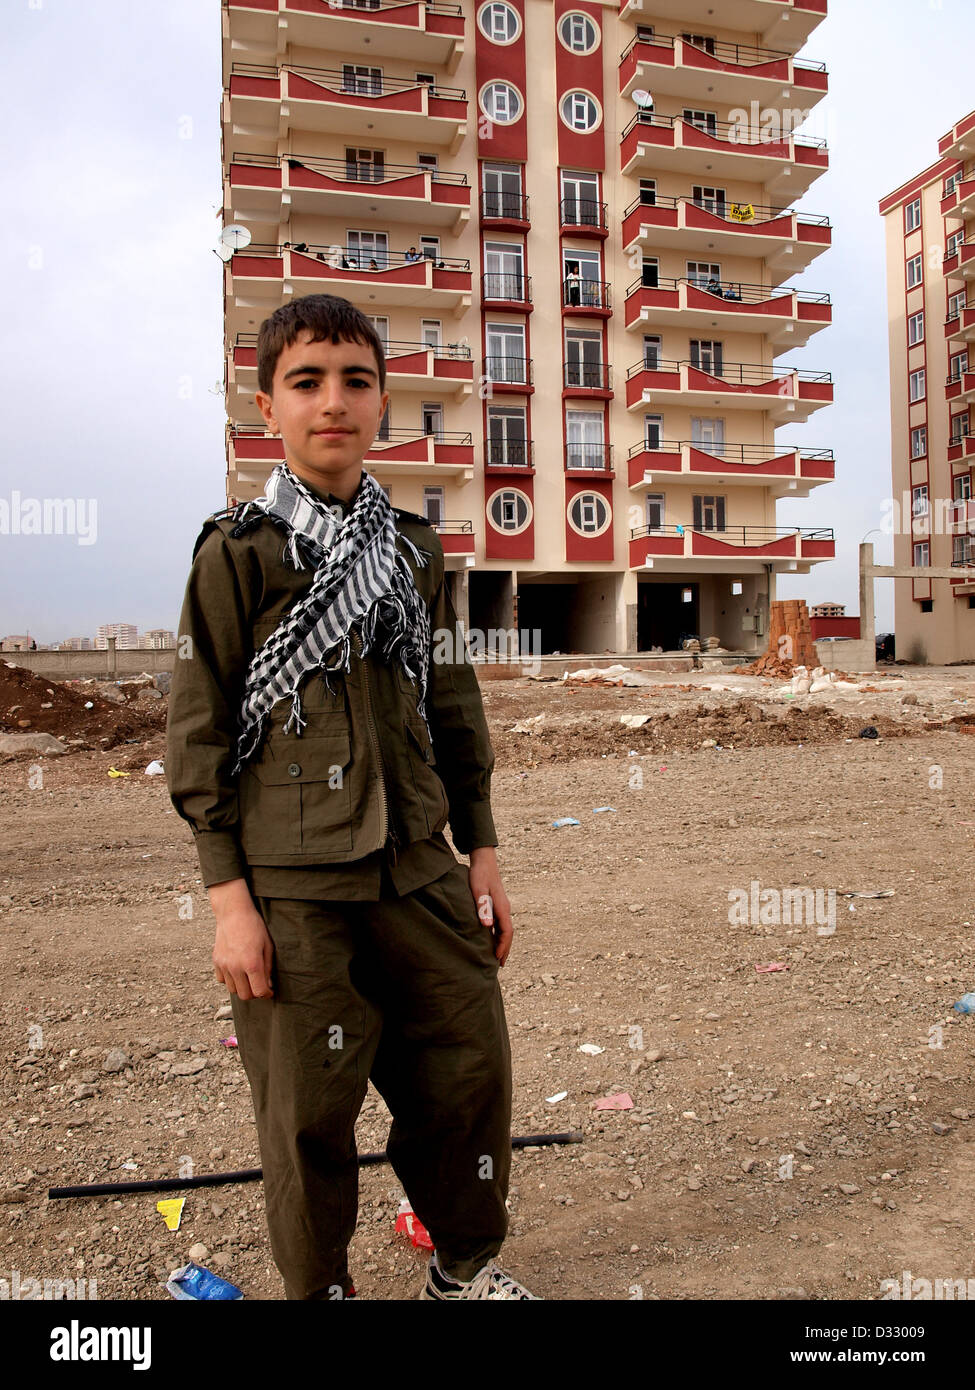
360	578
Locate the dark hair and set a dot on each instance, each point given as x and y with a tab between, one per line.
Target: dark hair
328	317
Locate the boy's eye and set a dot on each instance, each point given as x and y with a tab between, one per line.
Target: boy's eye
353	381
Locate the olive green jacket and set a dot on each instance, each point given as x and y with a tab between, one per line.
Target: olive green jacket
363	774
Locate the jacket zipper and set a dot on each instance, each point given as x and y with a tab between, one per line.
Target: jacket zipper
383	818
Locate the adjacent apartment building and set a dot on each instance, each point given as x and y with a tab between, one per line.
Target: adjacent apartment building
574	226
930	231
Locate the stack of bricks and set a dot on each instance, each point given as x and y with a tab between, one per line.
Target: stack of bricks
790	641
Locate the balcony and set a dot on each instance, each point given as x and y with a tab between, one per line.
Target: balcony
960	202
959	143
961	323
782	393
733	548
431	32
778	23
962	263
960	388
782	238
587	379
961	448
787	317
583	460
727	73
582	217
456	537
505	212
277	102
787	471
509	456
261	274
507	290
254	452
788	164
271	188
588	298
510	375
410	366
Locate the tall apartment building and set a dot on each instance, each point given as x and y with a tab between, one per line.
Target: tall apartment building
126	635
930	233
573	225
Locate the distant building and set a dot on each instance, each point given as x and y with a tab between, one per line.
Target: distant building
18	643
125	634
159	637
76	644
828	610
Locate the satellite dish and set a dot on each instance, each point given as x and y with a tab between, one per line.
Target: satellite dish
235	236
642	98
223	251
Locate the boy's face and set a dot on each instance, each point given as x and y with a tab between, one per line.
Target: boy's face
322	387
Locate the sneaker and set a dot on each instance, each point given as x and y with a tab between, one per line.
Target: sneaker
489	1282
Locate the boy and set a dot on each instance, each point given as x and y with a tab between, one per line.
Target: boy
324	725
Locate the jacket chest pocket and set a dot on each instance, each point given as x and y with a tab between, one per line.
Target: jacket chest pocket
298	797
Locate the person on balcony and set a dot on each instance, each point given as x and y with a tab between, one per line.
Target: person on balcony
713	286
732	293
572	282
373	265
412	255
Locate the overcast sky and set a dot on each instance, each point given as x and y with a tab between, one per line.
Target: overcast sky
112	354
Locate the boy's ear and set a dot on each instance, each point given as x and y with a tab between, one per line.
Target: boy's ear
266	406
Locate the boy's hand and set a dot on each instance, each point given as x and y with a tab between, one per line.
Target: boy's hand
243	951
493	907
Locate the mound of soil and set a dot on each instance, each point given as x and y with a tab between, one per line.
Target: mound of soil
31	704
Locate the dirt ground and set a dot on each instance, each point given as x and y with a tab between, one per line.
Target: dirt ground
803	1132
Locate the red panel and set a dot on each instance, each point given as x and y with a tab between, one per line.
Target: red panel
260	267
817	468
834	627
649	214
268	87
502	62
577	150
498	545
706	543
256	175
707	463
777	70
652	461
589	548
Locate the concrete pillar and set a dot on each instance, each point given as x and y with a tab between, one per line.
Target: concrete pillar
626	613
112	659
867	620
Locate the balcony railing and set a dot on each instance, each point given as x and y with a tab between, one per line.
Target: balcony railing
742	54
738	214
737	535
958	308
728	132
454	528
598	457
729	453
514	370
589	375
582	212
510	206
431	6
391	435
392	347
585	294
509	453
351	170
337	80
737	373
341	258
729	290
507	285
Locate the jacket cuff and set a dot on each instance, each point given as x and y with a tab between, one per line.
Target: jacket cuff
473	828
221	857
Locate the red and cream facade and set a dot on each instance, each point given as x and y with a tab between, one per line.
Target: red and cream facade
584	360
930	235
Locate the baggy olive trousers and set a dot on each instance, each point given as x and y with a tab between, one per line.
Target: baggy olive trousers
405	992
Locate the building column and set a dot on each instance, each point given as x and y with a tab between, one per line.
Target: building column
626	613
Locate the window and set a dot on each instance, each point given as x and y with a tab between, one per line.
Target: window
912	216
580	200
917	385
509	510
963	550
961	487
915	328
913	272
652	351
368	250
922	553
704	273
364	165
644	33
707	356
588	513
703	120
430	332
650	272
366	81
919	442
655	511
578	32
499	23
704	41
504	270
433	504
428	161
430	247
431	415
585	439
956	302
957	365
507	441
708	436
648	192
956	240
579	111
502	191
709	514
653	431
501	103
951	183
583	358
960	428
919	500
710	199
